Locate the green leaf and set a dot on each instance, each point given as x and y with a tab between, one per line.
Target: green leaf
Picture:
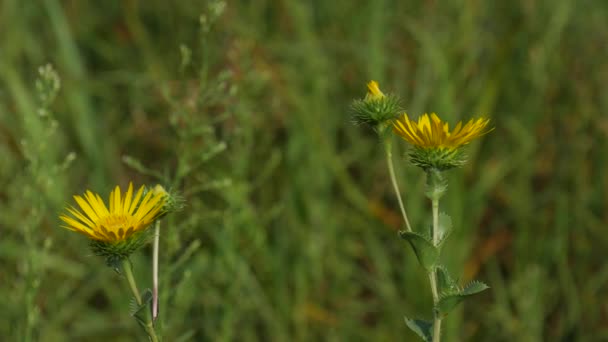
422	328
137	310
449	300
445	227
427	254
445	283
474	287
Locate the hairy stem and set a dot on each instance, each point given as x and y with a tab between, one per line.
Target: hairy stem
391	170
126	265
148	326
433	275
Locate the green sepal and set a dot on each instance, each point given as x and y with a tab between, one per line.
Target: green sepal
422	328
445	283
445	227
115	252
438	158
449	300
378	113
427	254
137	310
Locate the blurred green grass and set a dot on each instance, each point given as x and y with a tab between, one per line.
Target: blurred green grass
290	228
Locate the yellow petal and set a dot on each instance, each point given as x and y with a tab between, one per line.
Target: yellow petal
136	200
86	208
128	196
81	217
117	202
374	90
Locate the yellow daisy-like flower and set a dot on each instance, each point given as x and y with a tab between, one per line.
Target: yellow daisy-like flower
431	132
126	216
435	147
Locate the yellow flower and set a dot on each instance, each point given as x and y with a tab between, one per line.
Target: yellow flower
126	216
373	91
432	133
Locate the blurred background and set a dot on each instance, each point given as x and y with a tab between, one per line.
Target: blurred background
290	228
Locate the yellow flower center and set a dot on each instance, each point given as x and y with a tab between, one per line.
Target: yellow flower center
116	226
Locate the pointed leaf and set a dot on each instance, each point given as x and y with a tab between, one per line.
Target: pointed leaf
422	328
445	227
137	310
474	287
133	307
444	281
427	254
449	300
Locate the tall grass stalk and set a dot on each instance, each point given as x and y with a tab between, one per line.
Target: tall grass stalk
155	251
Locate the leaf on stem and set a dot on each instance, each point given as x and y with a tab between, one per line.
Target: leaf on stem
445	227
137	310
427	254
450	299
422	328
445	282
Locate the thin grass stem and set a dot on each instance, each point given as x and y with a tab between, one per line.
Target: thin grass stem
155	271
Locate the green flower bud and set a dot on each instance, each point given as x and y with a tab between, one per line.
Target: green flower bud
376	109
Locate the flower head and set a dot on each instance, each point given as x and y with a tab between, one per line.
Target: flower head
118	231
376	109
434	145
125	217
434	133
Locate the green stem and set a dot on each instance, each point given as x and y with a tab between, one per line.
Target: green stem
433	274
435	203
148	326
391	170
126	265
